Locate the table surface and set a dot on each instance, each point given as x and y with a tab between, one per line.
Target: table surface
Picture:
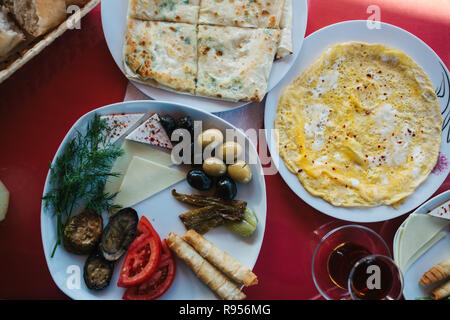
76	74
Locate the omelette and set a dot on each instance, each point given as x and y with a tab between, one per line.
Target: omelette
361	126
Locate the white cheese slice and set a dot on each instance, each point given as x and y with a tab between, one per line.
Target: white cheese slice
422	250
119	124
443	211
135	149
151	132
4	201
145	178
419	234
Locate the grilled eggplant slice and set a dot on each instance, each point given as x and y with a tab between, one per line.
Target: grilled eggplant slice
97	272
118	234
82	234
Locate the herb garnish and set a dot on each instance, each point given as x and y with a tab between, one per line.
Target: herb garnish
79	175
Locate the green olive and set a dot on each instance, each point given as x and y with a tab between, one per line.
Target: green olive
231	151
209	136
240	172
214	167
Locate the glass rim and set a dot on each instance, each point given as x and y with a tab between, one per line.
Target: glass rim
370	257
325	237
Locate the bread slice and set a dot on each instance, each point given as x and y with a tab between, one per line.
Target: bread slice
38	16
10	34
79	3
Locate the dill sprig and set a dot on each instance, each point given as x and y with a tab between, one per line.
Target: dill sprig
79	174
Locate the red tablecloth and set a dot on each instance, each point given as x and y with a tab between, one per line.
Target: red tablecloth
76	74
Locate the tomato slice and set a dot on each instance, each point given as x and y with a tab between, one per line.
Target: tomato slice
144	226
159	282
143	256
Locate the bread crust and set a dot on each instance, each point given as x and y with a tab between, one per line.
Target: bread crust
10	35
37	17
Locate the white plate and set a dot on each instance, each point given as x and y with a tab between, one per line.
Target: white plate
114	15
389	35
162	210
436	254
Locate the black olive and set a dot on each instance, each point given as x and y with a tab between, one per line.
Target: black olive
199	180
186	123
82	234
97	272
118	234
226	188
169	124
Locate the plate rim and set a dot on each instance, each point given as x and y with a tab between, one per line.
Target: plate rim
124	105
216	103
318	203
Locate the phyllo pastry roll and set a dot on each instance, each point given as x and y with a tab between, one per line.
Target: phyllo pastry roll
220	259
206	272
441	292
437	273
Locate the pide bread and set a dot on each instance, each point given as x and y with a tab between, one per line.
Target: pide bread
216	49
10	34
163	10
79	3
161	53
235	63
37	16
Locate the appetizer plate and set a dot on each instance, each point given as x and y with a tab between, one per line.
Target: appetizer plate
114	16
162	210
393	36
437	253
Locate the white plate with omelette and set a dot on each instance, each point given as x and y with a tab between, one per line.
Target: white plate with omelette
161	209
362	122
264	73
